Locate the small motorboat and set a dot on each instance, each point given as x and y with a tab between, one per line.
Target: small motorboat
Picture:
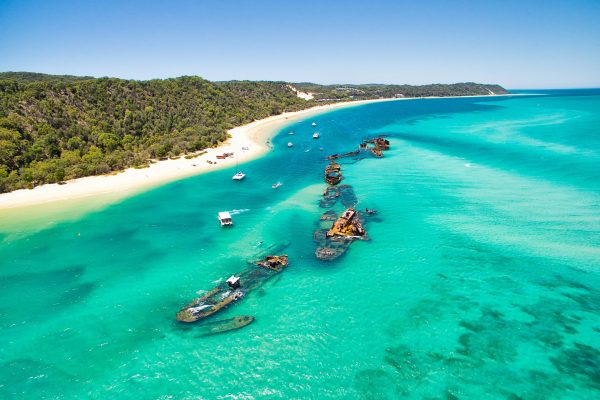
276	185
290	133
290	144
239	176
225	218
314	124
370	211
316	135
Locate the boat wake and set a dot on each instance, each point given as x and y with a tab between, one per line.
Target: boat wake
239	211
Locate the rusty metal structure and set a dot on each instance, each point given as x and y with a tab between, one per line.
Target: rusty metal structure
333	173
232	290
335	233
347	225
274	263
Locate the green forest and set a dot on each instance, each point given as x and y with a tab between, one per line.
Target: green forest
59	127
364	92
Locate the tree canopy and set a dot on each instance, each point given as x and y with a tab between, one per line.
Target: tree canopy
54	128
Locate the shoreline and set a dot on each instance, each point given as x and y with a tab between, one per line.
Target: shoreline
247	142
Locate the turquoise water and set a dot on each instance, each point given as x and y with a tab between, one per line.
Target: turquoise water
481	278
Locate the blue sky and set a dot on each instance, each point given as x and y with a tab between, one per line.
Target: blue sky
519	44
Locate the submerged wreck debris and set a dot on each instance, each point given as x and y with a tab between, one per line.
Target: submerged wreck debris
264	250
376	152
332	249
224	325
235	288
349	154
329	216
347	225
333	173
332	194
376	146
347	196
333	242
275	263
330	197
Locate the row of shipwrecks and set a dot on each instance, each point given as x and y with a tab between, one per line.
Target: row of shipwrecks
337	231
375	145
334	236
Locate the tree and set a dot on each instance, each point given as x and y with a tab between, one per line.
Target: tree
10	147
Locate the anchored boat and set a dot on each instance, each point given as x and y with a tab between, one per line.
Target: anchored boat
238	176
225	218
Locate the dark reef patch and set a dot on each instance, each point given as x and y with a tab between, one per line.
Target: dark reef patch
582	360
76	294
53	278
403	361
376	384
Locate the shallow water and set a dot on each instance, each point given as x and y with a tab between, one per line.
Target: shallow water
481	278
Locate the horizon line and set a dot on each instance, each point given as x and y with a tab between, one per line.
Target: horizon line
302	82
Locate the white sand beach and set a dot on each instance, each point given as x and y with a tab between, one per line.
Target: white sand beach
247	143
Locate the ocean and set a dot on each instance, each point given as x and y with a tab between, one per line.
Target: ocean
480	278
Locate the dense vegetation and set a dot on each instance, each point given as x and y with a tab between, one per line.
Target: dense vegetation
37	77
363	92
52	131
54	128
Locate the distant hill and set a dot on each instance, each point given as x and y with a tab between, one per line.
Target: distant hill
59	127
37	77
370	91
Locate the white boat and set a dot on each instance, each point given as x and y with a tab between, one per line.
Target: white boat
225	218
276	185
314	124
290	144
316	135
290	133
239	176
